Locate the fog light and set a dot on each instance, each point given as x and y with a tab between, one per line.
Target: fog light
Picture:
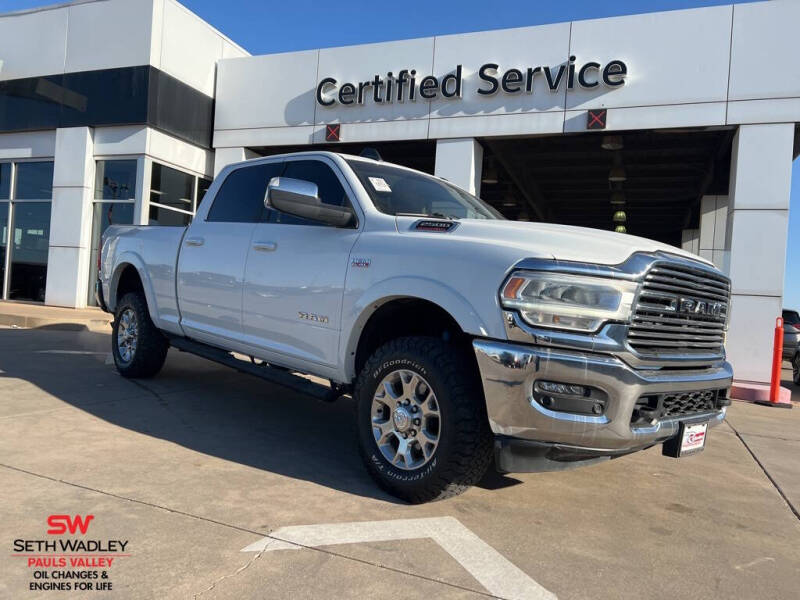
561	388
569	398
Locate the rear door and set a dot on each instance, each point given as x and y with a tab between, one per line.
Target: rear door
295	274
212	259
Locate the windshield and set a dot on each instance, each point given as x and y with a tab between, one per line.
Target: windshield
397	191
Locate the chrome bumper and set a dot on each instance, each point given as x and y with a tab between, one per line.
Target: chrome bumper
508	372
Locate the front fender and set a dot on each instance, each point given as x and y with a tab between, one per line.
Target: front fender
448	299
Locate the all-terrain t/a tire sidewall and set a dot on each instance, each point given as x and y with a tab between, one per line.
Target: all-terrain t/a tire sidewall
464	448
151	348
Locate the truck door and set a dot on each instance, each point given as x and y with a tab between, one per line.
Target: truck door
295	274
212	258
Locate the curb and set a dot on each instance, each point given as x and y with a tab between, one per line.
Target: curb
28	322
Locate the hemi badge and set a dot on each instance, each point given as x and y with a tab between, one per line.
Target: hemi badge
361	262
441	226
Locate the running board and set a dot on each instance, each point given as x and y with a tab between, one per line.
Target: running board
271	374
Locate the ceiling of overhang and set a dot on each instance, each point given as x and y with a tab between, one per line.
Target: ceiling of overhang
565	179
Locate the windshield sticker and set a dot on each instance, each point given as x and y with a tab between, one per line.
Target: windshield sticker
379	184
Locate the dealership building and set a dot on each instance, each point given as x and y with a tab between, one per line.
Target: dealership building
677	126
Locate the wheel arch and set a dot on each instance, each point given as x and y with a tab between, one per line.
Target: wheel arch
130	275
398	315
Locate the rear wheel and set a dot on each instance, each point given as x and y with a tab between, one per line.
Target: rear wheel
138	347
421	419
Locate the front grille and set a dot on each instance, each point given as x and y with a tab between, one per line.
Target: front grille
681	310
678	404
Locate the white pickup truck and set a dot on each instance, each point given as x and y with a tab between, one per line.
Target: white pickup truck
462	337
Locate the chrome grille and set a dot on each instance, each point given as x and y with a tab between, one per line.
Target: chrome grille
681	310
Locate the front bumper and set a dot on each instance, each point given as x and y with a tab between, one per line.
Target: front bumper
509	371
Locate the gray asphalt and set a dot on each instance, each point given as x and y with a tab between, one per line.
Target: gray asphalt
200	462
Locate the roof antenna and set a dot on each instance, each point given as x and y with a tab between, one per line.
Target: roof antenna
371	153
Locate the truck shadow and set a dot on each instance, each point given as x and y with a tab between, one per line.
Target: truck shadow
200	406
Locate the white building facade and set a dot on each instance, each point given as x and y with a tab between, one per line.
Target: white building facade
680	126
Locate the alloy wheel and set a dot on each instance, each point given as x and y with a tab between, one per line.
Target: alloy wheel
406	421
127	335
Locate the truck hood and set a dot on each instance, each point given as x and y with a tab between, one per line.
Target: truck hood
561	242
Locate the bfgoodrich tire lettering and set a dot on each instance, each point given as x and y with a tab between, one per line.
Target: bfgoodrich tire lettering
463	448
138	347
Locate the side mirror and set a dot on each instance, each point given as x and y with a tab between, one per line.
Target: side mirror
301	199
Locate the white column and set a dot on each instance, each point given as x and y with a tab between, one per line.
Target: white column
460	161
141	208
71	218
756	233
713	224
226	156
690	240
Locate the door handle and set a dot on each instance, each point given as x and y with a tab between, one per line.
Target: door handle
195	241
265	246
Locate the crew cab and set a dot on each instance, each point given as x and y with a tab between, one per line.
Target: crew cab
463	338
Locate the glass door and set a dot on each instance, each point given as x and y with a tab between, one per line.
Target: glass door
30	239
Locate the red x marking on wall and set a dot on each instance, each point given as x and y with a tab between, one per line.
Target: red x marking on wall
596	119
332	132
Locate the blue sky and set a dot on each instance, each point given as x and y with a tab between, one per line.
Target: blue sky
271	26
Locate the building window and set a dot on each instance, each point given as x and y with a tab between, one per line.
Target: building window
171	196
34	181
25	228
114	197
115	180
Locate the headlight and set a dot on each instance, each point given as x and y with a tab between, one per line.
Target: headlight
564	301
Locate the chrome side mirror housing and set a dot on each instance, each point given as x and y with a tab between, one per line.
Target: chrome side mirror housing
301	199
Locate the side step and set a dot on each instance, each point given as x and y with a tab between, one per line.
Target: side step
271	374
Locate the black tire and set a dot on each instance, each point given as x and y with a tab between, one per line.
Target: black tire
796	369
464	449
151	346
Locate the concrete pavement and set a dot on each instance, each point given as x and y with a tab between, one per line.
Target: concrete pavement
200	462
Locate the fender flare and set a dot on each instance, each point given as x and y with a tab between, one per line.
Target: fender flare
124	260
395	288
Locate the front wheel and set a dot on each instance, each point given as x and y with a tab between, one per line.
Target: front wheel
138	347
421	419
796	369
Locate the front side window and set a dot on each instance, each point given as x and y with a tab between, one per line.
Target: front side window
329	188
240	198
397	191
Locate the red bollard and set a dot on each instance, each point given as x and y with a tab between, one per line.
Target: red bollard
777	364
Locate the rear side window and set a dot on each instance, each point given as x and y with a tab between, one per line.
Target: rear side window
240	198
328	185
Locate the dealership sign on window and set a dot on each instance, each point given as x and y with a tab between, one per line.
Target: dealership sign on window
407	85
